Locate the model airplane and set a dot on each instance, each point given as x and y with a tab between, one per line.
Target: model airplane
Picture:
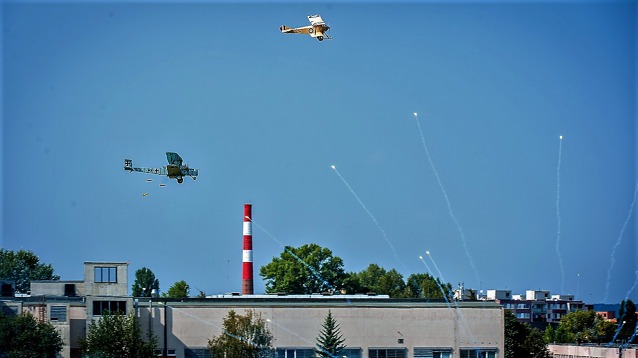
317	28
174	169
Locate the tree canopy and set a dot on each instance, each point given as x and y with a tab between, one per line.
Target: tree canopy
583	326
330	341
313	269
180	289
424	285
23	267
378	280
145	283
522	340
244	336
24	336
303	270
117	335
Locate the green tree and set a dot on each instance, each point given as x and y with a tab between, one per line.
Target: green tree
582	327
423	285
330	341
243	337
180	289
304	270
117	335
549	336
522	340
23	267
378	280
24	336
145	283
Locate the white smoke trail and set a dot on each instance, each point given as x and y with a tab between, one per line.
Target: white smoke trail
560	258
613	250
632	287
447	200
385	237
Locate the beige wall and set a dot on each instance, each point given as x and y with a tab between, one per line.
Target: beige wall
106	289
472	326
563	351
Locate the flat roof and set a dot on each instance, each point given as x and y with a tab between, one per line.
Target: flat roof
334	301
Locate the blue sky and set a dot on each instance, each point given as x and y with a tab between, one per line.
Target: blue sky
264	115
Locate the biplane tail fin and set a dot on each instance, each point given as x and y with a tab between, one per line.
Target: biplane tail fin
128	164
283	28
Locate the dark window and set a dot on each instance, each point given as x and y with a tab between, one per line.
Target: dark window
99	307
6	290
387	353
478	353
105	274
69	289
432	352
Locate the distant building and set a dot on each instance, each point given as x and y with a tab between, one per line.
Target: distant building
537	307
608	315
373	326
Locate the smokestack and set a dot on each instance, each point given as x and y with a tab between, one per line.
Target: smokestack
247	262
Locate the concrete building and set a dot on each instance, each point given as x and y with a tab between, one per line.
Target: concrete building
71	305
373	326
538	307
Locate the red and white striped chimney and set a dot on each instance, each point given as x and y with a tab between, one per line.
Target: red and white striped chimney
247	262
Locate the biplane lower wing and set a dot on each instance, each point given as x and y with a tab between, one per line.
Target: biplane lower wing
297	30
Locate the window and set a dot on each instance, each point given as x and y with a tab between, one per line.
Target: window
295	353
100	307
58	313
478	353
387	353
522	315
169	353
432	352
351	352
105	274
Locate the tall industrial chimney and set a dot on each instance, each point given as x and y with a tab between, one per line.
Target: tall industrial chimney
247	262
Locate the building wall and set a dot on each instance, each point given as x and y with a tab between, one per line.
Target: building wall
56	288
570	351
117	288
395	325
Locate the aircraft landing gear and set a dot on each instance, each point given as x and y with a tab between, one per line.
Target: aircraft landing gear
180	180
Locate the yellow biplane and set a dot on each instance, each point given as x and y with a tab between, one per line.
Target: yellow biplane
317	29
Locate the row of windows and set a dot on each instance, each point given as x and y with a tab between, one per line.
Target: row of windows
310	353
389	353
105	274
100	307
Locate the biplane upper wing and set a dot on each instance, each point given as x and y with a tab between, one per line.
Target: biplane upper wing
315	20
297	30
174	159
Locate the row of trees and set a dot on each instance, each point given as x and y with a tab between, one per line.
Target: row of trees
312	269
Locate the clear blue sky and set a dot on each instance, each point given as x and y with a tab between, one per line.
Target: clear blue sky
264	115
